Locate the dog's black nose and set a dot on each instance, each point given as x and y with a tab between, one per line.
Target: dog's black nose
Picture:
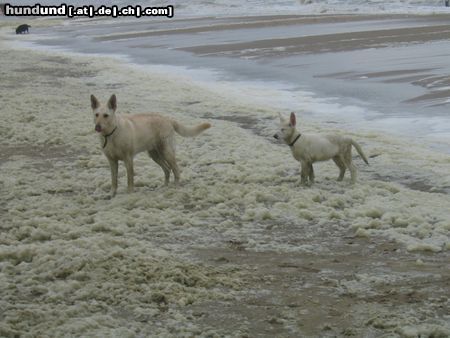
275	136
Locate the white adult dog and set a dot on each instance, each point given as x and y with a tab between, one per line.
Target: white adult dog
123	136
310	148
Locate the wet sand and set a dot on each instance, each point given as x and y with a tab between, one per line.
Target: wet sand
326	43
422	33
393	66
239	23
239	249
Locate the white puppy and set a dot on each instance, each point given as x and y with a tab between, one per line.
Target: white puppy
310	148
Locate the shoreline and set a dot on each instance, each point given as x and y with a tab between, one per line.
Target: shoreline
409	94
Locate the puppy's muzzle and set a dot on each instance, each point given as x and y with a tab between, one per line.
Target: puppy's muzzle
98	128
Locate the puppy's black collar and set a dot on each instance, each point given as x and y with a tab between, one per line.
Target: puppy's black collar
295	140
106	137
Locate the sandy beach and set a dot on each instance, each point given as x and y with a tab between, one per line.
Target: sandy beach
240	249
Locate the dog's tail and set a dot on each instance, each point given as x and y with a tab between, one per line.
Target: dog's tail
360	152
189	131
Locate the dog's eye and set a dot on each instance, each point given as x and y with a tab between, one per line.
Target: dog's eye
96	114
105	116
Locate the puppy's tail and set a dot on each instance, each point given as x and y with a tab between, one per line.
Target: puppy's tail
360	152
189	131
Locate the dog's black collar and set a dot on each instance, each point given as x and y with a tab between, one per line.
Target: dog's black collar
296	139
106	137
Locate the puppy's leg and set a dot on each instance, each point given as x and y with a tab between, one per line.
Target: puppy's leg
304	173
114	165
341	167
348	162
311	174
169	156
165	167
130	173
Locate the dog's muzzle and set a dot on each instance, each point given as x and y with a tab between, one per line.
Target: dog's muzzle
98	128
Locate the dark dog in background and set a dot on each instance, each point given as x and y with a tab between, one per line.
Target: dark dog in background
22	29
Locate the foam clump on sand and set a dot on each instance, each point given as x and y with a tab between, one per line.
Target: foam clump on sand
425	330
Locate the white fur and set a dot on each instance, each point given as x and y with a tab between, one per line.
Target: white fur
310	148
124	136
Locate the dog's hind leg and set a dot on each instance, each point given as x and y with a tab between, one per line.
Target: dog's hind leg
311	174
341	167
348	163
114	165
130	173
163	164
169	156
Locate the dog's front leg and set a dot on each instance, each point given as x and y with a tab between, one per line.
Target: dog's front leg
304	173
130	173
114	165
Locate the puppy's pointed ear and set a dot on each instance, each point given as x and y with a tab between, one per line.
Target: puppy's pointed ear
112	103
94	102
292	120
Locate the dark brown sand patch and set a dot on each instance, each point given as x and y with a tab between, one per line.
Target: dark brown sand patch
43	157
326	42
246	23
306	294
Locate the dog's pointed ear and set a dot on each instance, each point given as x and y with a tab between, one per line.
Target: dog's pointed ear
112	103
292	119
94	102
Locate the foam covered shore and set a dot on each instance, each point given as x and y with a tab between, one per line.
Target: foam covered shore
153	263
